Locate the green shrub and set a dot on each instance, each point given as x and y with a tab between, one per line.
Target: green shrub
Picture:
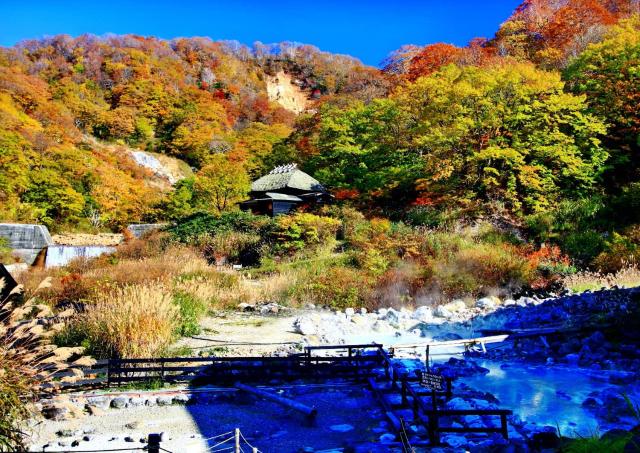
191	310
190	228
301	230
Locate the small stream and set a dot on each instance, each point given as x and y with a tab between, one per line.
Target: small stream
60	255
548	395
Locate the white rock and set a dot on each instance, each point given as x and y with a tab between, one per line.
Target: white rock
423	314
509	302
458	404
305	326
387	438
382	326
442	312
392	316
382	312
349	311
456	306
485	303
454	441
363	311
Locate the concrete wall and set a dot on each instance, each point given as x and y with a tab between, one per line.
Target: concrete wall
140	229
26	240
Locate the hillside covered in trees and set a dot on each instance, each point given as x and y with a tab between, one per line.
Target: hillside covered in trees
536	127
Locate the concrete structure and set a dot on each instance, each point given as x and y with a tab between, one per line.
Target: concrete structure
26	240
140	229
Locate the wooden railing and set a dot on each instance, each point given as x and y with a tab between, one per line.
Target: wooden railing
230	369
434	414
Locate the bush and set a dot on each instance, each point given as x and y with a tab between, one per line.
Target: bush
301	230
230	246
131	321
481	269
336	287
191	310
190	228
621	251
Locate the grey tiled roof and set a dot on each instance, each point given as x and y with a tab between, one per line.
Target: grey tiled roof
286	176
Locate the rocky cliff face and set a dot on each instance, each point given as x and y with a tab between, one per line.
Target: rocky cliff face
282	89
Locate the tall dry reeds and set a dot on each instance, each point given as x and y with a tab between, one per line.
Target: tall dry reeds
131	321
27	359
628	277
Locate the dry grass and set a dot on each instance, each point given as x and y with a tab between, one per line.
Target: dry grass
132	321
27	359
628	277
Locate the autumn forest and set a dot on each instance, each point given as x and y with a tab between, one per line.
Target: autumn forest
535	124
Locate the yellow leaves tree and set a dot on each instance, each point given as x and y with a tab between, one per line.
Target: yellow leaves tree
221	183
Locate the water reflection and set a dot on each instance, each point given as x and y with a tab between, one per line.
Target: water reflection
60	255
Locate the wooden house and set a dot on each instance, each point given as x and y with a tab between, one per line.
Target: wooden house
284	189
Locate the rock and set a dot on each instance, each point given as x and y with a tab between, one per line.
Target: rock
61	410
486	303
75	443
132	425
442	312
305	326
454	440
382	312
349	311
360	320
181	399
590	403
137	401
99	401
151	401
363	311
96	411
119	402
392	316
546	441
164	401
87	438
423	314
509	302
65	433
387	438
572	359
457	306
129	439
341	428
381	326
447	336
458	404
246	307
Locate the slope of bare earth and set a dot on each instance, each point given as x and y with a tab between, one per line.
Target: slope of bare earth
282	89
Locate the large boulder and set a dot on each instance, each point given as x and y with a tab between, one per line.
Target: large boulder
305	326
423	314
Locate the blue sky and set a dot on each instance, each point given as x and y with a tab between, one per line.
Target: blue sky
368	30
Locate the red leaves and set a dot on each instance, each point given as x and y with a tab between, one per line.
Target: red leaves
432	58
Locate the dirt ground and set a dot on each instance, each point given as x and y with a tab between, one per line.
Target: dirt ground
266	425
246	334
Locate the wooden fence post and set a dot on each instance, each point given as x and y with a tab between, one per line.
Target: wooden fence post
153	443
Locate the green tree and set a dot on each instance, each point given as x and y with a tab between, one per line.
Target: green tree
609	74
